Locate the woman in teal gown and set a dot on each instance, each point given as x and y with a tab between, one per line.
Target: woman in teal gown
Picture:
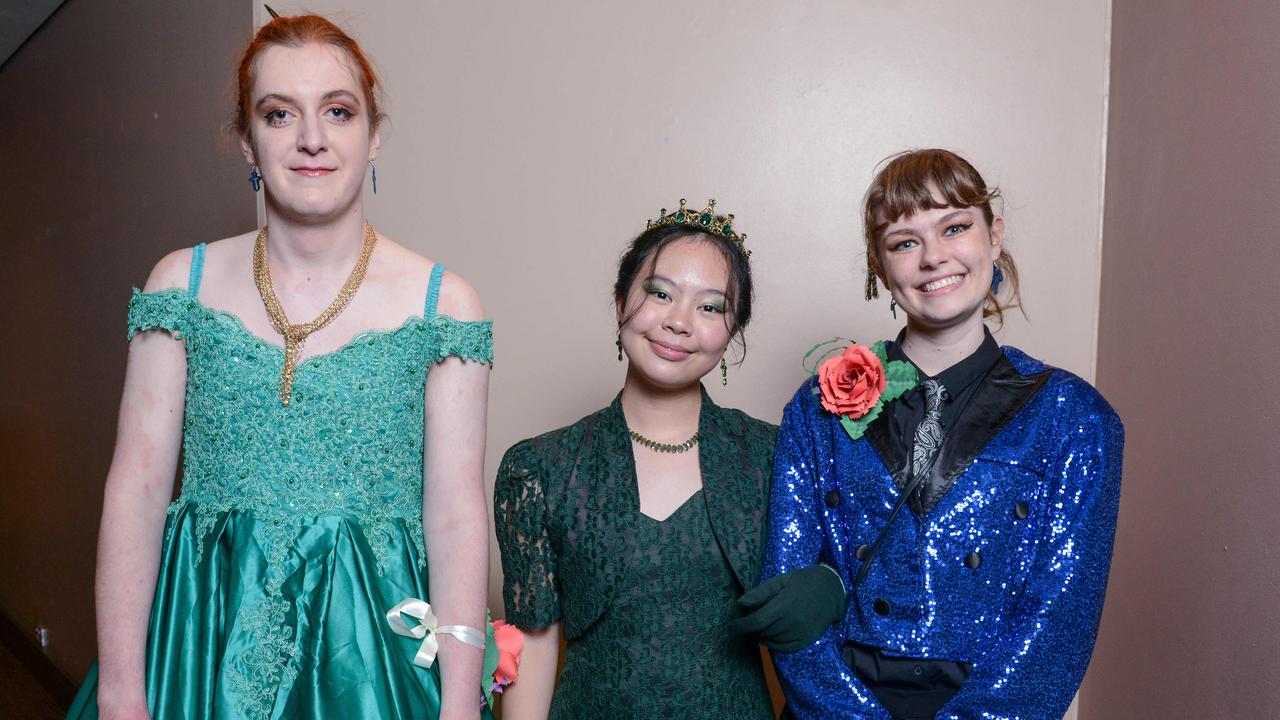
330	469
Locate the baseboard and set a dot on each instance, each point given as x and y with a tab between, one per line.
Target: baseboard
55	682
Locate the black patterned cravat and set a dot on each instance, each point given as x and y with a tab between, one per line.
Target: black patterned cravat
929	433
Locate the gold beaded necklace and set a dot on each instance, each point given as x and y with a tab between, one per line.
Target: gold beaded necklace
665	447
296	335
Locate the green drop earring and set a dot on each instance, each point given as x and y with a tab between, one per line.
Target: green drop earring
618	342
724	372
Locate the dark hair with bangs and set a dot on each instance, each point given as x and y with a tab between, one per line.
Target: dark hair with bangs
642	254
905	186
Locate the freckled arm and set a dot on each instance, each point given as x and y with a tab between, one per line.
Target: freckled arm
137	492
455	522
135	497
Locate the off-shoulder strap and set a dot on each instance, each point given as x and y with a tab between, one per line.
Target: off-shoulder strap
197	270
433	291
472	340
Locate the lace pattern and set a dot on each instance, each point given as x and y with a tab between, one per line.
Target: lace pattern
528	560
164	310
575	548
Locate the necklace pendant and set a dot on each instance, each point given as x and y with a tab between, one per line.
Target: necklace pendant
295	335
292	349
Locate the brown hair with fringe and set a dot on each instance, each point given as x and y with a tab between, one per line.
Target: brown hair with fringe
906	185
297	31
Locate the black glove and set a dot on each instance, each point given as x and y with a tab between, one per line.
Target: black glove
793	609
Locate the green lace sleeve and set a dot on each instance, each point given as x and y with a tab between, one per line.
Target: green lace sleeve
466	340
166	310
528	560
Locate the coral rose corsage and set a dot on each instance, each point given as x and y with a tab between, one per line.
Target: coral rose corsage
857	383
508	642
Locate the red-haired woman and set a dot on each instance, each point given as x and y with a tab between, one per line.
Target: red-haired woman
965	493
327	387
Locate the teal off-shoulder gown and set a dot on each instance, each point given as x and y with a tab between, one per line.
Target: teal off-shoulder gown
298	527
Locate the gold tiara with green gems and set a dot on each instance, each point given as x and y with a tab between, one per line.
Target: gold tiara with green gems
706	220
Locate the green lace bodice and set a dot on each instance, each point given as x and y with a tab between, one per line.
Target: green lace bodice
348	443
662	648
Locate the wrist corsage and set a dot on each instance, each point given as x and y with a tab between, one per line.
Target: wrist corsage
501	643
858	382
506	642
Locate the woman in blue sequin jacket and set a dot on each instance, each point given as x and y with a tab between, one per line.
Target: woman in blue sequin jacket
972	521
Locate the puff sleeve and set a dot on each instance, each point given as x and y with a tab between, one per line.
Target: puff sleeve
529	586
469	340
167	310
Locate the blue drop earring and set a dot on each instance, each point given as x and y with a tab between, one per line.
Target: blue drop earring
997	277
374	171
255	180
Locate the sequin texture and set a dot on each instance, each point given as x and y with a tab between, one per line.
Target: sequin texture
1007	572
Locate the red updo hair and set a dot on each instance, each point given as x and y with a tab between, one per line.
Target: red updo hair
906	185
296	31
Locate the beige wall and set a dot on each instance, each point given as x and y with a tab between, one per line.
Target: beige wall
1186	354
529	141
110	156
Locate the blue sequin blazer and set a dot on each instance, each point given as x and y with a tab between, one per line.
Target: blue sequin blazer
1006	571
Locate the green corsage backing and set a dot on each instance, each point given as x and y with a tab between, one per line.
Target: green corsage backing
899	377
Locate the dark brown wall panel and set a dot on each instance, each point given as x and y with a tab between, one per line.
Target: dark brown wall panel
111	154
1187	352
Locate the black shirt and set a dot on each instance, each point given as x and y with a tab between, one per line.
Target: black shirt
960	381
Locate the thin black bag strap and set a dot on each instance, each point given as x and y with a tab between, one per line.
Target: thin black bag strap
911	487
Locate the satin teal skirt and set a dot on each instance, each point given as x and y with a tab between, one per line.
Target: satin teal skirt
244	626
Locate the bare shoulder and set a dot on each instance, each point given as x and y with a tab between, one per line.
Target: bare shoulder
457	299
397	262
234	246
174	270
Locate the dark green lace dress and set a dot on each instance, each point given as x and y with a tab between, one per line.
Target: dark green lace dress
298	526
645	605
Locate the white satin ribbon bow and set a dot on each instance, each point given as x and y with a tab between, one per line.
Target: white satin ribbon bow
428	629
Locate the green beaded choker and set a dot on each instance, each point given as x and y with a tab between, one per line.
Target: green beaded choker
685	446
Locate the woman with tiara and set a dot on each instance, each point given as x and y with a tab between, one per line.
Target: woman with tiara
981	597
631	532
327	389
